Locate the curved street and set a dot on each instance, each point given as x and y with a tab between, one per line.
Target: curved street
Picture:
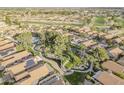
53	64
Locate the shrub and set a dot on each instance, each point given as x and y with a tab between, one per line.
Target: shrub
120	74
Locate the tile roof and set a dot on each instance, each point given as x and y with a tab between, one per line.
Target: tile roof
113	66
116	52
109	78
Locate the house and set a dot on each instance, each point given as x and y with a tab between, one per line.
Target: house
15	57
109	36
14	70
2	24
93	34
38	59
4	42
99	46
20	67
33	75
101	34
89	43
113	66
121	61
85	29
1	39
69	34
20	70
90	33
21	76
118	40
8	51
115	52
116	32
107	78
7	46
52	80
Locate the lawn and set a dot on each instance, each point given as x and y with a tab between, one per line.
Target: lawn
76	78
99	21
0	74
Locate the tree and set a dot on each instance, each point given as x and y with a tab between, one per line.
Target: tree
71	60
19	47
99	21
55	42
120	74
61	43
101	54
8	20
16	22
90	58
42	38
25	40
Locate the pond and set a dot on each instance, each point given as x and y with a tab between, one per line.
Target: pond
36	38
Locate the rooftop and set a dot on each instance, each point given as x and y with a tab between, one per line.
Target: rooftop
109	36
101	34
16	68
108	78
7	46
121	61
116	52
21	76
119	39
14	57
35	74
4	42
85	29
89	43
92	32
113	66
1	39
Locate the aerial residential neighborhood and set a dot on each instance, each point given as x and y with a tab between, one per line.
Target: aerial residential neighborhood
61	46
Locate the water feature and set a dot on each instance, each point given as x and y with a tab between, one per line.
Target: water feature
36	40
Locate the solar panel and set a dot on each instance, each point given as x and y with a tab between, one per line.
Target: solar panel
30	63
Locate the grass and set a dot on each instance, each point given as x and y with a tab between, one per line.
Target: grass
120	74
76	78
69	65
99	21
73	60
53	23
1	74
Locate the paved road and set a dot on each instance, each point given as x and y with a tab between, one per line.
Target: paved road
85	71
79	70
53	64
